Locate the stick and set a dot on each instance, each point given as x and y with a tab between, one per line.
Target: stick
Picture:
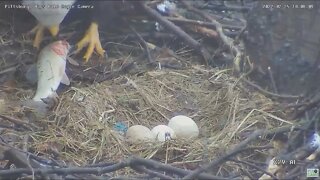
130	162
256	167
270	93
144	44
201	23
219	160
64	171
225	39
168	168
18	122
178	31
151	173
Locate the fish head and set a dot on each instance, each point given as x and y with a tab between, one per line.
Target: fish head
61	48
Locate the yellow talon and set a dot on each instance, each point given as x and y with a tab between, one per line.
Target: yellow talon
38	30
54	30
39	35
91	37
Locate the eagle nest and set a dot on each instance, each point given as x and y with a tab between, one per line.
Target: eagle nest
81	129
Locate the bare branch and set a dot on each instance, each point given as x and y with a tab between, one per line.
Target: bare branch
239	147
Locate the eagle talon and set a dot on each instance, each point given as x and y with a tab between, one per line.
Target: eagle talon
38	30
91	39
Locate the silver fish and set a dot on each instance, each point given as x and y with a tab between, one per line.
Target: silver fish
51	67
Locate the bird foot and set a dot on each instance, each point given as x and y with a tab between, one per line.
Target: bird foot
91	38
38	30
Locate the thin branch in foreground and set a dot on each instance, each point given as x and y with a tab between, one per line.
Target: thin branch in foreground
19	122
152	173
168	168
255	166
132	162
238	148
64	171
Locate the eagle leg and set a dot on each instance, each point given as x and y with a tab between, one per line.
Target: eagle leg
38	30
91	37
54	30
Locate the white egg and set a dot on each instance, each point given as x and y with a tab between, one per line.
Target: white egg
163	133
184	127
139	133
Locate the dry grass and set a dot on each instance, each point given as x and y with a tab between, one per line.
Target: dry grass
81	129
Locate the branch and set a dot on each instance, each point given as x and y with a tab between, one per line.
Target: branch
219	28
151	173
178	31
255	166
267	93
64	171
201	23
144	44
19	122
168	168
133	162
239	147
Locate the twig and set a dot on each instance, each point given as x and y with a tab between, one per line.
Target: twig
144	44
130	178
124	68
24	124
12	127
155	35
284	129
270	93
295	172
299	154
101	164
201	23
178	31
132	162
219	28
239	147
9	69
227	7
19	159
296	143
168	168
273	82
151	173
6	147
64	171
311	104
255	166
